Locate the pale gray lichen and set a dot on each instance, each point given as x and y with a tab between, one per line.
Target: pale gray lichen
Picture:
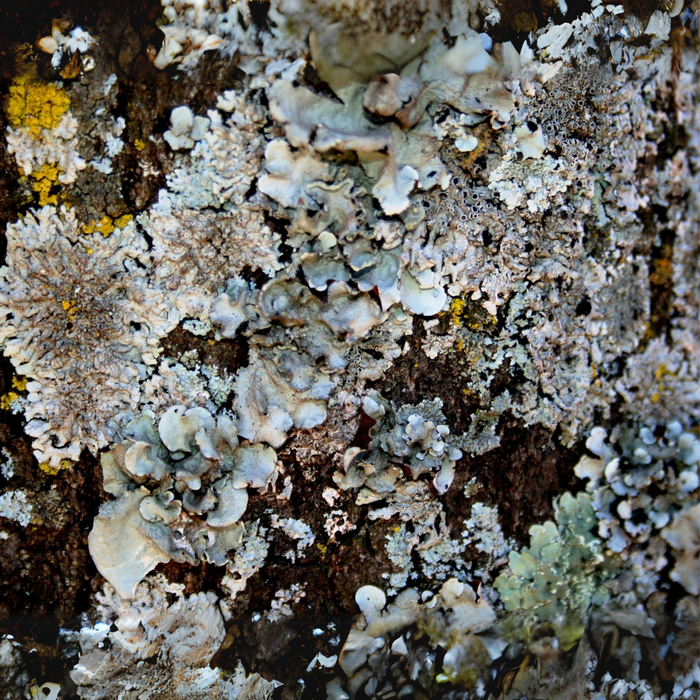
196	252
181	492
7	468
280	607
13	676
483	531
296	530
247	559
176	634
78	311
14	505
412	438
639	485
389	647
57	147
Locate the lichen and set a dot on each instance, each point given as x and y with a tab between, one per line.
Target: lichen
15	506
563	573
177	634
35	105
181	493
71	317
341	196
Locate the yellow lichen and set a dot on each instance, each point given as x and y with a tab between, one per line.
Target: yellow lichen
661	372
19	383
46	467
139	144
70	307
63	464
470	316
122	221
107	224
456	311
6	400
44	179
35	104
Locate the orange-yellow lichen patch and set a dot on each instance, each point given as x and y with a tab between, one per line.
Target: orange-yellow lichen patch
661	372
63	464
456	311
470	316
139	144
35	104
107	224
43	180
662	271
19	383
6	400
70	307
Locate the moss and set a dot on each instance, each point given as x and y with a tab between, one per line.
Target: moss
35	104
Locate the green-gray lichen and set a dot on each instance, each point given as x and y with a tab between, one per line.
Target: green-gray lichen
563	572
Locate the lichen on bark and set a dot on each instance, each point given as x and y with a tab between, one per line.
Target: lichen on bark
380	322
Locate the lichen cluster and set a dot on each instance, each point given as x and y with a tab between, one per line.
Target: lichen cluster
181	492
376	187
